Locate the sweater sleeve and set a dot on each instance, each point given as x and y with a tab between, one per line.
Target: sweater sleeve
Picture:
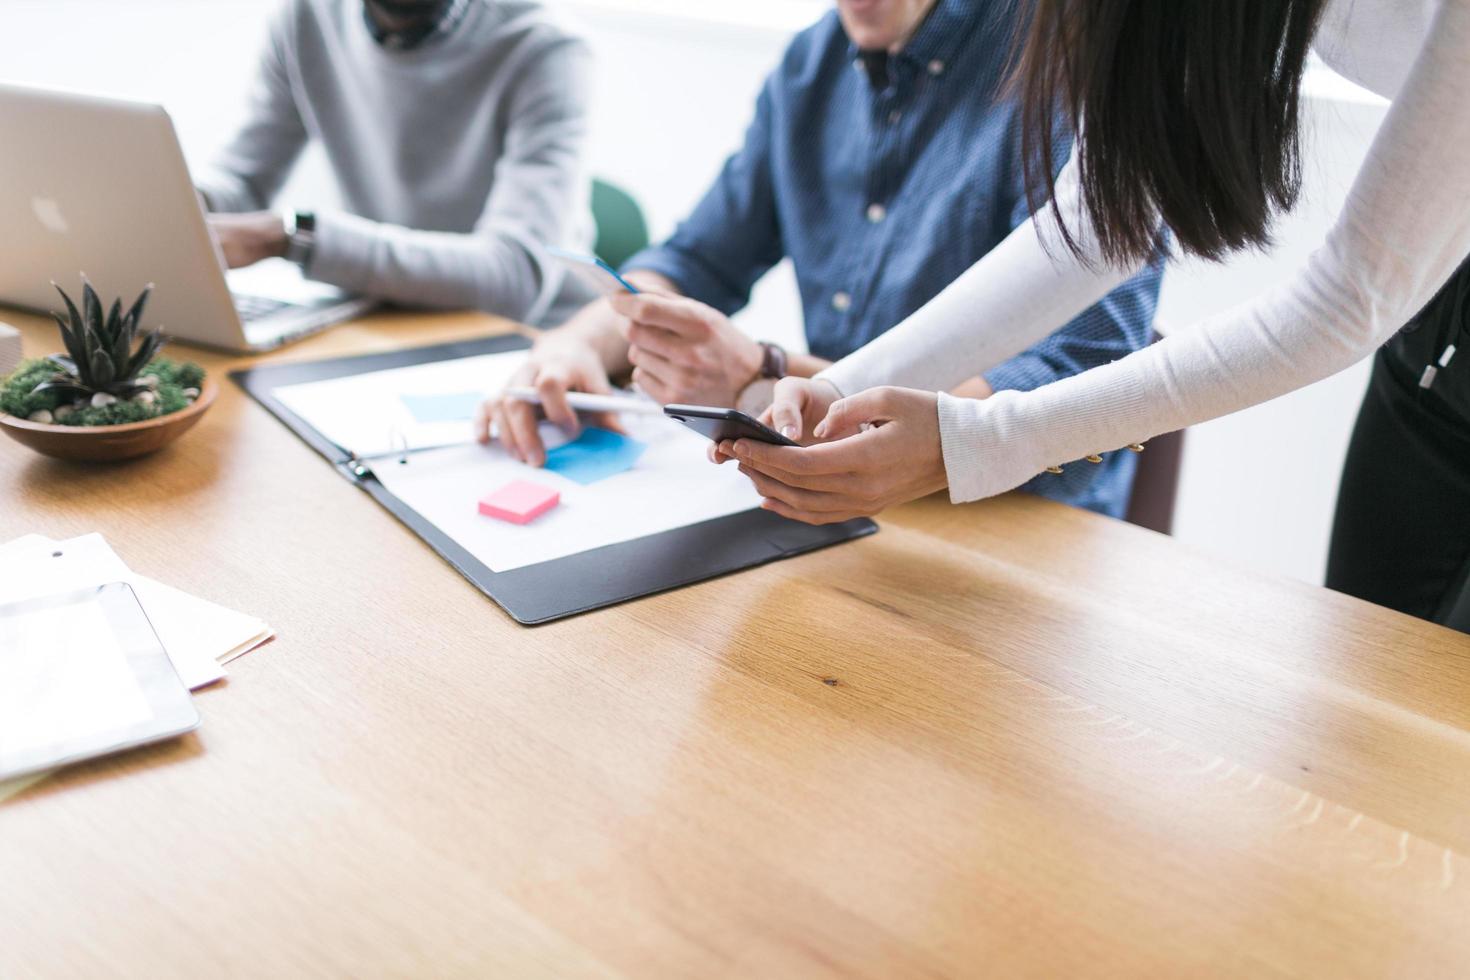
248	173
1403	231
540	189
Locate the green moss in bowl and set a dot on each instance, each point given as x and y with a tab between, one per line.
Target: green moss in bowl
175	386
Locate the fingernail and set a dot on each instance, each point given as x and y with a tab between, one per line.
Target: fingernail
789	431
820	431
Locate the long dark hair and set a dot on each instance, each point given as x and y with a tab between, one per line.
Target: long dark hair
1187	112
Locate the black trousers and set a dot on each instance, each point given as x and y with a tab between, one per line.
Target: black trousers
1401	537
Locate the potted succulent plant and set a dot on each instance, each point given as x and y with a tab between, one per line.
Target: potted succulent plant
109	396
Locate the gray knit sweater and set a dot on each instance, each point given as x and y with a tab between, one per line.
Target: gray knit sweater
457	160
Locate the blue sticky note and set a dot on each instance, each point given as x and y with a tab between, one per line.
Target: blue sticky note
456	406
594	455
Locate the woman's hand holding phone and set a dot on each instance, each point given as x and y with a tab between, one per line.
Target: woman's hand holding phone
798	406
878	448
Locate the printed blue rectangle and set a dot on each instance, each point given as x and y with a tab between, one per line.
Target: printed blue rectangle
458	406
595	455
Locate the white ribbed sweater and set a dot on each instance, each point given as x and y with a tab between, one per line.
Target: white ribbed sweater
1403	231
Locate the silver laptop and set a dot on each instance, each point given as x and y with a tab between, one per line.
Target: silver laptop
99	187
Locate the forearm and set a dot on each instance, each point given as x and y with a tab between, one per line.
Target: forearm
228	193
494	271
1238	359
805	365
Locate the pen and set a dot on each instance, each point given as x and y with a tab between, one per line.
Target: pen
583	402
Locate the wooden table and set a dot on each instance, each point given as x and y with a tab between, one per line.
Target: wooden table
1001	739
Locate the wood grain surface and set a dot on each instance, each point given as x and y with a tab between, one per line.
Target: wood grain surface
1004	739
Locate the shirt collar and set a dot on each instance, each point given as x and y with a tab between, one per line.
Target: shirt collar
936	39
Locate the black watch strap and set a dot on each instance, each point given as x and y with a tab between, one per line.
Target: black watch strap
774	362
300	236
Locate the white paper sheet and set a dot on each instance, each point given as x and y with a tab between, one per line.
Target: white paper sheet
198	635
672	485
365	413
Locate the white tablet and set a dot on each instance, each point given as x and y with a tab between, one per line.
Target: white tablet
83	675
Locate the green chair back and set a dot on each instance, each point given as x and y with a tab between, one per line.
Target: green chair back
621	229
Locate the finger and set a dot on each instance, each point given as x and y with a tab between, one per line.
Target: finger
806	517
674	314
654	363
651	386
841	483
847	416
722	451
785	413
669	377
605	420
500	430
551	388
802	499
495	426
484	419
808	461
520	421
670	346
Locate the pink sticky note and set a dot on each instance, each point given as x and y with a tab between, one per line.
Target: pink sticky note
519	502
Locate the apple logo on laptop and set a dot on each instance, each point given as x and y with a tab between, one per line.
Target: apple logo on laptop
48	212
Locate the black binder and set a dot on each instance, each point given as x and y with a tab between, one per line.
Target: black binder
578	583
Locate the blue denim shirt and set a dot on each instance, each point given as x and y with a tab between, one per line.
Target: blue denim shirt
882	196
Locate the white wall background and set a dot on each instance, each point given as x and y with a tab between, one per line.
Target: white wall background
677	82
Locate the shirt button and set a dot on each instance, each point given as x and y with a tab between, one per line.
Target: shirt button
894	117
857	64
936	67
841	302
876	213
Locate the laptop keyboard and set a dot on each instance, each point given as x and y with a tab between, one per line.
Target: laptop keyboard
252	308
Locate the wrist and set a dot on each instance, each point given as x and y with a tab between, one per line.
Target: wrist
297	236
806	366
753	359
756	397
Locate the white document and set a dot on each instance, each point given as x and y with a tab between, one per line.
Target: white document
198	635
672	485
369	414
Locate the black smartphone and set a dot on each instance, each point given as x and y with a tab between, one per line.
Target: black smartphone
719	424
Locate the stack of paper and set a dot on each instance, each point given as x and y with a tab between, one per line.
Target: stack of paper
200	637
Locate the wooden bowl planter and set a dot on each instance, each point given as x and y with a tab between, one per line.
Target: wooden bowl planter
110	443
